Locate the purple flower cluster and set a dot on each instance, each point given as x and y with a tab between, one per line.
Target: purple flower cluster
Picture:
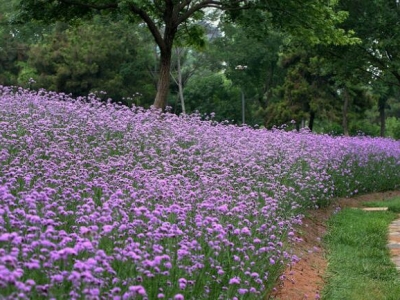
100	201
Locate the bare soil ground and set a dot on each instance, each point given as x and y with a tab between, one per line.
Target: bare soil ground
305	279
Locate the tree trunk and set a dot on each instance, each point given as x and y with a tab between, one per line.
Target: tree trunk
163	80
156	65
243	108
345	121
180	82
165	59
382	116
311	122
267	90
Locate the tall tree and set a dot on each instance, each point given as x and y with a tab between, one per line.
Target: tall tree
376	59
260	55
165	18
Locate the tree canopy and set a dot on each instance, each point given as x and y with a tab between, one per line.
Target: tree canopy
311	19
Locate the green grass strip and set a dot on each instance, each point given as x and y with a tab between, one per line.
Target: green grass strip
360	267
392	205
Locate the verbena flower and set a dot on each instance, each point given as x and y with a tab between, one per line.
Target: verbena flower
98	199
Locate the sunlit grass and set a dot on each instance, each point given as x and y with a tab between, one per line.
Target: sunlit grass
359	263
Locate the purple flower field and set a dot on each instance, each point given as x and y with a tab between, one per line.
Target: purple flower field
99	201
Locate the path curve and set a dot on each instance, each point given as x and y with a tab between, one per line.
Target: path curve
394	242
305	280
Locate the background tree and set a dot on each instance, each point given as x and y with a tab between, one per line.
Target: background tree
186	59
293	72
15	40
314	19
376	59
260	56
95	56
12	53
210	92
301	88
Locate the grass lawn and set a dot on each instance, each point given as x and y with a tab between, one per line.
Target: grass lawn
392	204
360	267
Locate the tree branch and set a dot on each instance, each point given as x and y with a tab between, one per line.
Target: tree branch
209	3
197	7
373	57
184	3
385	67
150	24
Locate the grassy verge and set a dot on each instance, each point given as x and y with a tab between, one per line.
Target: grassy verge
392	204
359	262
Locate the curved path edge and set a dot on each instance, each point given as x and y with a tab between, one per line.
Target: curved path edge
305	280
394	242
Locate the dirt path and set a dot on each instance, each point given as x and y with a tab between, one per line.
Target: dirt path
305	280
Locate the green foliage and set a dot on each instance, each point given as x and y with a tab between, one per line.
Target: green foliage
92	57
213	93
374	62
306	92
364	126
393	104
329	127
11	53
12	49
52	10
192	35
239	47
393	127
311	20
26	74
